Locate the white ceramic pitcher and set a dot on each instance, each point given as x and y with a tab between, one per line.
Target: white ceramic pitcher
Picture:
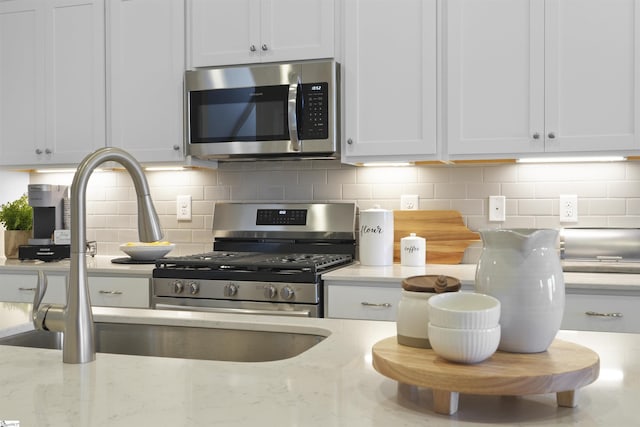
521	268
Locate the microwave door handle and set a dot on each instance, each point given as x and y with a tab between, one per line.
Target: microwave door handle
293	115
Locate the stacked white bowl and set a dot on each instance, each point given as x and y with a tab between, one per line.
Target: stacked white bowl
464	326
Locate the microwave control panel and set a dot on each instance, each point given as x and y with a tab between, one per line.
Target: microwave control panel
315	111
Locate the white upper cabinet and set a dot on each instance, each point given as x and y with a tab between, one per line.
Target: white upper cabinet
146	66
526	77
225	32
390	81
22	74
52	77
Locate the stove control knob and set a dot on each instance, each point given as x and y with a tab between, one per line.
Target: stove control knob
270	291
178	287
194	288
287	293
230	290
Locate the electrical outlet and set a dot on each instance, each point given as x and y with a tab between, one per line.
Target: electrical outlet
497	208
409	202
568	208
183	207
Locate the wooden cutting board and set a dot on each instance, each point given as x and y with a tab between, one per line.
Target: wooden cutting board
445	231
562	369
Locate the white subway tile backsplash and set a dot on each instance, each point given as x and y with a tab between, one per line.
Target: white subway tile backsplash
385	175
449	190
339	177
623	189
535	207
357	191
479	190
519	190
501	173
326	192
606	207
609	194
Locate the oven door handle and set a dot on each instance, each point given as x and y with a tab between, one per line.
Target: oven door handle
298	313
292	109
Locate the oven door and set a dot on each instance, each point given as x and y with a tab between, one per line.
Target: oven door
237	307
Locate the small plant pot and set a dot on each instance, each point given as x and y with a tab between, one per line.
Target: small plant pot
13	239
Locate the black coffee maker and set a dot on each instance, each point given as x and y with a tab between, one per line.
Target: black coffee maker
48	203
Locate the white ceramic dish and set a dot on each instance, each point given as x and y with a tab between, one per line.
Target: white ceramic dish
464	345
464	310
146	251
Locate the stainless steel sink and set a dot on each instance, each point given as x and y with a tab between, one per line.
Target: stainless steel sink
185	342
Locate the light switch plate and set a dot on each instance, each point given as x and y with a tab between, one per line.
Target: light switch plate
497	208
183	207
409	202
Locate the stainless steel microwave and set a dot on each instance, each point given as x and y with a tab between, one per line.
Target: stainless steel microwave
266	111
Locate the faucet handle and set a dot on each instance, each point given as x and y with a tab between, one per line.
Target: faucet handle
37	315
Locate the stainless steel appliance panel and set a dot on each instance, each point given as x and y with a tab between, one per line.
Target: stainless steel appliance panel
297	99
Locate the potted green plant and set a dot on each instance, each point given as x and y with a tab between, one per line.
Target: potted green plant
17	219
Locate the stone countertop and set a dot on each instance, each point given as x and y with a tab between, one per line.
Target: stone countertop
98	265
357	274
332	384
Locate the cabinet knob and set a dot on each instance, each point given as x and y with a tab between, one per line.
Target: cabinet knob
536	135
551	135
176	147
252	48
38	151
350	141
47	151
265	47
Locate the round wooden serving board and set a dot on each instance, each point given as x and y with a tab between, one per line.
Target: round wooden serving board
562	369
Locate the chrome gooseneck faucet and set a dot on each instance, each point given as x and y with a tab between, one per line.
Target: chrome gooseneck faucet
76	319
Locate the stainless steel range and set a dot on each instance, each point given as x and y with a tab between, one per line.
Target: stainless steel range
266	259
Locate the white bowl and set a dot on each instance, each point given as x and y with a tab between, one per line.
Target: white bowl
464	310
146	251
464	345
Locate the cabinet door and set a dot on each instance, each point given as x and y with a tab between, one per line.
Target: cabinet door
603	313
21	288
362	302
119	292
75	82
22	106
389	74
297	29
494	77
592	75
223	32
146	63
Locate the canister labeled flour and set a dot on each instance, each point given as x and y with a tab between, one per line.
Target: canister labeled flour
413	250
376	237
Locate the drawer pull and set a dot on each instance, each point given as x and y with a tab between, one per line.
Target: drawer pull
27	289
372	304
111	292
595	313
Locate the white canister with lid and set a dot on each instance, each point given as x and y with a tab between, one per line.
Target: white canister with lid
413	250
412	321
376	237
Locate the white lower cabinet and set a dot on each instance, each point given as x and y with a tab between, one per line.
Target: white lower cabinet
362	302
104	291
119	291
584	311
603	313
22	287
